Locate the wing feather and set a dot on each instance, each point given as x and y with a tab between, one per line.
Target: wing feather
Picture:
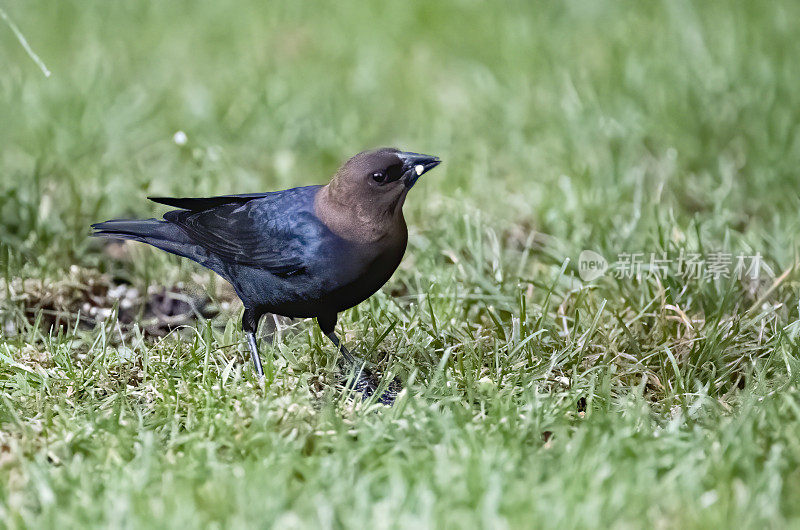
204	203
273	231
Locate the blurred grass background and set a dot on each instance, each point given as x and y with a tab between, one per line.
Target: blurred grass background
609	125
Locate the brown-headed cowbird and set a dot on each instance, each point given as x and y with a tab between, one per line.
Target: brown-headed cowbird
311	251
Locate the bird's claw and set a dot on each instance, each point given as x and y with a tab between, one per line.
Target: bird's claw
364	380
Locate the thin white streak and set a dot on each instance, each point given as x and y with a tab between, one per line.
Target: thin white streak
24	43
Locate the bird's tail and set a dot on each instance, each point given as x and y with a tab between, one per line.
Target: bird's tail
160	234
144	230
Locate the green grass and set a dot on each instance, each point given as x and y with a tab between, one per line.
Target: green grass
533	399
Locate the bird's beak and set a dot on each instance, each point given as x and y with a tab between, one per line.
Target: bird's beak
415	164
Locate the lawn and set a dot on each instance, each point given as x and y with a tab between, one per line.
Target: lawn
663	136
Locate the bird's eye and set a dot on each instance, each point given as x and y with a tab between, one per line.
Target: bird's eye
378	177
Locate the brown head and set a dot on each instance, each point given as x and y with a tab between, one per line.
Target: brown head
364	199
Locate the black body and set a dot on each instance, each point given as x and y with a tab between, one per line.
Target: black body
279	257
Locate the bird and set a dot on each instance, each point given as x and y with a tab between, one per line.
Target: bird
305	252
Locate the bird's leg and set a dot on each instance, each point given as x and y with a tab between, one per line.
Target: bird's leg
364	379
348	357
250	326
327	323
253	344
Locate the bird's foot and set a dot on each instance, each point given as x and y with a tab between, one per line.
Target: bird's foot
363	378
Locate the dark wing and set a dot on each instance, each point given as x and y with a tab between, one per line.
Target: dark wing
275	231
204	203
